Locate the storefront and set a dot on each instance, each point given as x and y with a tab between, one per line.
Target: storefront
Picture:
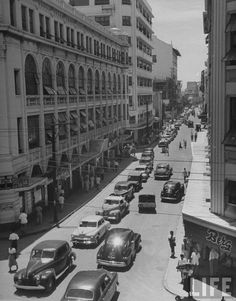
207	238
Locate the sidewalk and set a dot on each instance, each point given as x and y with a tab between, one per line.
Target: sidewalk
73	203
172	277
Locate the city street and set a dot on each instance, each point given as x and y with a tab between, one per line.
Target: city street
144	281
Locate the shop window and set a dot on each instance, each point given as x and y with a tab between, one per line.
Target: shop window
24	17
81	80
90	82
126	20
103	20
17	81
60	79
13	12
71	80
33	131
31	76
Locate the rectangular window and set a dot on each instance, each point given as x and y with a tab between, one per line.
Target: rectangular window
13	12
232	192
126	20
56	33
124	115
82	41
154	58
72	37
41	25
130	81
68	36
79	2
61	33
31	20
24	17
130	40
17	81
103	20
130	101
233	113
102	2
20	135
87	43
33	131
126	2
48	29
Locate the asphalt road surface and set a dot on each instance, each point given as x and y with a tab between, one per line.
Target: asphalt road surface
144	280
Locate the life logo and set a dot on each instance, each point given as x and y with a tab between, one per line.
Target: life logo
211	287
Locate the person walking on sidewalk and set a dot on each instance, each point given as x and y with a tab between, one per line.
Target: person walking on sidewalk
185	174
12	259
39	214
23	219
172	244
186	248
13	239
181	265
98	181
61	201
192	136
180	145
187	280
195	256
185	143
195	136
116	165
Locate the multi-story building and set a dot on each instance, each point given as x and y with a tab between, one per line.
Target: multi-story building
135	19
165	67
214	223
64	99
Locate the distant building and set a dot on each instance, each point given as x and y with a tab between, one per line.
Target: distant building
133	18
60	73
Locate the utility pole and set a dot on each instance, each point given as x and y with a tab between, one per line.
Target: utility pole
55	192
147	131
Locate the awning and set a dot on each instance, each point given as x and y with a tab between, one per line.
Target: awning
230	139
72	91
49	90
74	115
82	113
62	117
90	123
61	91
231	25
231	55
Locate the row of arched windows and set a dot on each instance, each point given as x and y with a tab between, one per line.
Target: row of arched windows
102	83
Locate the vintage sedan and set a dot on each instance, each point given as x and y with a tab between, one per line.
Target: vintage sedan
149	150
144	170
148	161
125	189
172	191
119	249
91	230
135	178
163	143
49	259
114	208
92	285
163	171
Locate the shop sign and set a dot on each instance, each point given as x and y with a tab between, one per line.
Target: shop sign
220	240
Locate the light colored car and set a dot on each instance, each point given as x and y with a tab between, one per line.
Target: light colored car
144	170
91	230
114	208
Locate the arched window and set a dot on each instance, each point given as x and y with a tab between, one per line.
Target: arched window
119	84
31	76
109	82
60	78
81	80
90	82
71	80
47	78
114	83
97	82
124	84
103	82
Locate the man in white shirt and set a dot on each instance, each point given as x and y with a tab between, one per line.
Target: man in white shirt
195	256
23	218
13	238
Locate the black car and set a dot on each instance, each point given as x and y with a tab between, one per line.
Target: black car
163	143
163	171
48	260
119	249
172	191
135	178
125	189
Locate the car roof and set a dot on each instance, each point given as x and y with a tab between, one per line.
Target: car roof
114	197
148	149
135	173
122	183
147	194
162	164
171	183
53	244
87	279
121	232
140	166
92	218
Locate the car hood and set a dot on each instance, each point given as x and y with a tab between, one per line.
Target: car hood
108	207
85	231
120	192
108	253
134	182
37	265
161	171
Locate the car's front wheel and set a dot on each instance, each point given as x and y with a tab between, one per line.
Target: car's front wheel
50	286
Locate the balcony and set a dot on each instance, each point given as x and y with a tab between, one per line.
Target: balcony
73	99
98	98
49	101
35	154
144	73
144	55
61	99
32	101
90	99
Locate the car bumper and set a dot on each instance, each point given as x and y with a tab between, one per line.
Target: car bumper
162	176
169	198
29	287
81	241
113	263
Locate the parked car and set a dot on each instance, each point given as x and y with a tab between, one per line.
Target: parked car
119	249
172	191
49	259
147	202
149	150
190	123
91	230
114	208
163	171
92	285
144	171
163	143
148	161
125	189
135	178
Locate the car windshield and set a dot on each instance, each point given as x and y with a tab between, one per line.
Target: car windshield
147	198
121	187
146	155
82	294
88	224
112	202
161	166
140	168
43	254
133	178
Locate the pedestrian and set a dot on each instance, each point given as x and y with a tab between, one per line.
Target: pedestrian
86	182
187	280
185	174
13	239
185	143
172	244
181	265
12	259
180	145
102	174
92	181
39	214
98	181
116	165
23	219
185	248
108	165
213	261
195	136
195	256
191	135
61	201
55	218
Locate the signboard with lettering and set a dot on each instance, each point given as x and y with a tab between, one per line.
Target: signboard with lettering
219	239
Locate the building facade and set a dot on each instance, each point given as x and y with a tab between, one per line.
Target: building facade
134	18
64	101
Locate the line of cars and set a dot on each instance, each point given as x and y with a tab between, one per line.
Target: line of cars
169	133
